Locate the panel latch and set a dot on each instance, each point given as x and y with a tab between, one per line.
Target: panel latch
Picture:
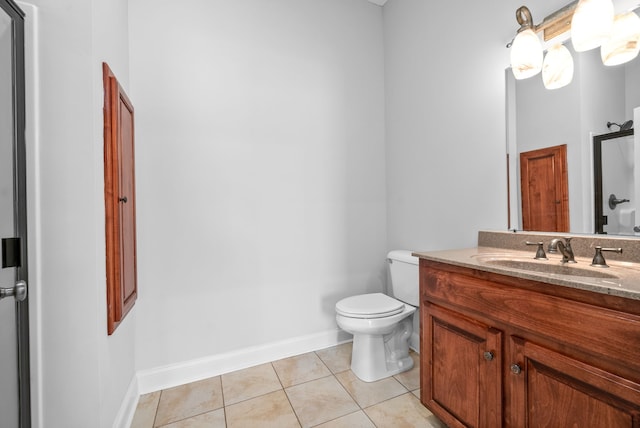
11	253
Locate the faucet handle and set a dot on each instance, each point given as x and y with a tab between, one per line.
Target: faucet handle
540	254
598	258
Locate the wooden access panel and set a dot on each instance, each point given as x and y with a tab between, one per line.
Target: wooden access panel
120	200
545	189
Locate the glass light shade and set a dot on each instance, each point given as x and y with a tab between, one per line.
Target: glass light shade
591	24
557	68
526	55
624	43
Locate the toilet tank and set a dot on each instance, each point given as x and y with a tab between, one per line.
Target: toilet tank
403	269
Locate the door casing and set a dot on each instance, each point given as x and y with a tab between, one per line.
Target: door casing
20	207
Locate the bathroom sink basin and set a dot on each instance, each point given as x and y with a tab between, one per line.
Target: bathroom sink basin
549	267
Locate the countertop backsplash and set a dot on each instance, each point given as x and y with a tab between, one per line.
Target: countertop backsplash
583	245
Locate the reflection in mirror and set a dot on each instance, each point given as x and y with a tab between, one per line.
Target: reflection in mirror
615	199
544	190
538	118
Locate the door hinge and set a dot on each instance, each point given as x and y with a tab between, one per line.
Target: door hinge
11	253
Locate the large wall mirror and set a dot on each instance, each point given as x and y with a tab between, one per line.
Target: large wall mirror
542	123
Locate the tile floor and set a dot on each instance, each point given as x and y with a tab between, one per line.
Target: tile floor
311	390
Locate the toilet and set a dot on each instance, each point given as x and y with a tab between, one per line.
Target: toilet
382	324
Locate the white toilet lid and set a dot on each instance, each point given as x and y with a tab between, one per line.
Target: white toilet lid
375	305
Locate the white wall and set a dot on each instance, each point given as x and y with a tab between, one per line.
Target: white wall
445	119
116	353
632	84
260	169
80	375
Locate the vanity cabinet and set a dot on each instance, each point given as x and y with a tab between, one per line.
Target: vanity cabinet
464	368
498	351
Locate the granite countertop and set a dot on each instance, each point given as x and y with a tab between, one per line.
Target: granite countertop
623	276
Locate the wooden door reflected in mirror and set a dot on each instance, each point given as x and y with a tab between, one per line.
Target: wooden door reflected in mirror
545	189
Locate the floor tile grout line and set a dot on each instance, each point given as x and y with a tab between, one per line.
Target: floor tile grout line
293	409
348	393
195	416
322	361
223	408
308	381
348	414
356	401
277	375
224	404
361	409
252	398
284	390
387	399
155	415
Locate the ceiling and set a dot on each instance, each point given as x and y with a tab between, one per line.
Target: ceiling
378	2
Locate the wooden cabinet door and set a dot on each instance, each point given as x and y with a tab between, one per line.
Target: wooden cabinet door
462	380
549	389
120	201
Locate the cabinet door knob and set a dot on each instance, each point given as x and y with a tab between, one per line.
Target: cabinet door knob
488	355
123	199
516	369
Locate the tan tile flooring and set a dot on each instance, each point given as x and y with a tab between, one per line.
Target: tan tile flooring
317	389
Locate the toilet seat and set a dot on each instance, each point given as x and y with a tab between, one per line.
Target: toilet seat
374	305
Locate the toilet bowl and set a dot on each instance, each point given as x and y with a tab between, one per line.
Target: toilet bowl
382	325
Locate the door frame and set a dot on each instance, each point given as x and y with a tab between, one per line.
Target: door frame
20	206
597	175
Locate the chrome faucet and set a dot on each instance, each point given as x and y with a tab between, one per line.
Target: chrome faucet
564	247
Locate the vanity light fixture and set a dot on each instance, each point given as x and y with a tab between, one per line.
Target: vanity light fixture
623	44
557	69
590	23
526	51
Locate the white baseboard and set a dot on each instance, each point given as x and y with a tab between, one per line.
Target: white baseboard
159	378
128	407
202	368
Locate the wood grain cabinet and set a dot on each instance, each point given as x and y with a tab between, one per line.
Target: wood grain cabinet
463	368
120	200
503	351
